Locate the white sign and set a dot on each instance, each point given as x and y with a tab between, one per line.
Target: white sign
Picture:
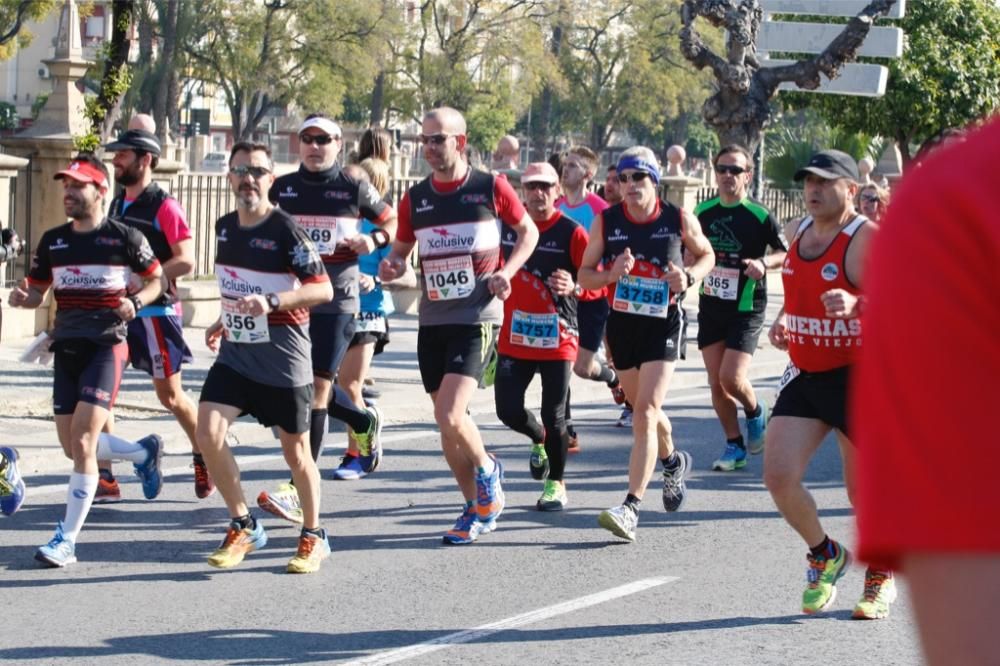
827	7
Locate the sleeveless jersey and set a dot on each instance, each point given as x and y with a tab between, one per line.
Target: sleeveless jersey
654	244
458	245
272	256
88	272
817	343
329	206
537	324
740	231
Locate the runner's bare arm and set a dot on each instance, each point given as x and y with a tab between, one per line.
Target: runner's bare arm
588	276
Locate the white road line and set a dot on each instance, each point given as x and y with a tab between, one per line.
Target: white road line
470	635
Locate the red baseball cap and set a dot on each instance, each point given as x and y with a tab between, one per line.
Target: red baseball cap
85	172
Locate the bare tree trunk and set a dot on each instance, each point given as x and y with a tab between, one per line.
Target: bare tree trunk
166	72
540	132
377	109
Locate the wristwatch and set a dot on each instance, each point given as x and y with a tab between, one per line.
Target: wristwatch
690	279
273	302
136	302
578	291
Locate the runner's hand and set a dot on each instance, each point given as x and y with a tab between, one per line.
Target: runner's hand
19	294
839	304
778	333
499	285
361	244
391	268
561	282
754	269
253	305
365	283
126	309
212	336
676	278
624	263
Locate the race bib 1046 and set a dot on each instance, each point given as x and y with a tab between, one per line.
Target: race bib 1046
649	297
449	279
241	327
540	331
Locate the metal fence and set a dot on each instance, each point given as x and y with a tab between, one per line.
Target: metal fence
18	192
783	204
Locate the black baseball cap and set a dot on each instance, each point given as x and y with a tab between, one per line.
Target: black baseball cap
830	164
136	139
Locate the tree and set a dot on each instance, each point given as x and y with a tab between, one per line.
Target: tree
948	76
13	14
102	110
740	109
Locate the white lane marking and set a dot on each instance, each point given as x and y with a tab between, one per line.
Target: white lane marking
469	635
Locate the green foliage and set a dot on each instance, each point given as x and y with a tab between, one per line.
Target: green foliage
948	76
8	116
36	11
702	141
796	138
488	119
36	106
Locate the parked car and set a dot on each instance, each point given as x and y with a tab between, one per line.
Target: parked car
215	162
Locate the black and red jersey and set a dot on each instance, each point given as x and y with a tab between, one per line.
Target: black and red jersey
655	244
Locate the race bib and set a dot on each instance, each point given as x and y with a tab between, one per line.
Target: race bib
326	231
790	373
722	283
645	296
241	327
540	331
449	279
369	322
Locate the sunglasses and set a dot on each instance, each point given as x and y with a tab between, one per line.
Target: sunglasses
635	177
870	198
433	139
243	171
318	139
537	185
731	170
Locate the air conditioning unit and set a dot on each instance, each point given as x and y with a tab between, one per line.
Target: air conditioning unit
43	73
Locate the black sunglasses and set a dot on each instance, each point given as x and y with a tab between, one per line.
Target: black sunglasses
731	170
318	139
635	177
870	198
538	185
433	139
255	171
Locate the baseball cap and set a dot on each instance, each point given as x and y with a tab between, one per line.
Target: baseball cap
830	164
321	123
539	172
85	172
136	139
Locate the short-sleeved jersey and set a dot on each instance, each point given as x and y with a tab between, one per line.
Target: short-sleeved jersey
457	231
654	244
329	206
161	220
378	299
538	324
816	342
272	256
585	211
743	230
89	272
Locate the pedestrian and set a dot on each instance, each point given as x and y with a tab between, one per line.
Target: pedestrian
733	299
87	262
269	273
638	245
820	327
873	201
455	215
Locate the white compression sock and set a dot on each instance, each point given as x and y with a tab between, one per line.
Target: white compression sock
110	447
79	497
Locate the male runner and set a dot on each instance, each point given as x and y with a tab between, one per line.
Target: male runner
269	274
86	262
455	215
733	299
819	325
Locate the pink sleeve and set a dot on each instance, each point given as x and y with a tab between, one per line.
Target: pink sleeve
172	222
597	204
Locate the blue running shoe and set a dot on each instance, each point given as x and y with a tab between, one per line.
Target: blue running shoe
467	528
149	471
58	552
489	494
11	483
733	458
756	427
351	468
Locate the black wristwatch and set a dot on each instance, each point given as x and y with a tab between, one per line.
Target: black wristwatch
690	279
273	302
136	302
381	238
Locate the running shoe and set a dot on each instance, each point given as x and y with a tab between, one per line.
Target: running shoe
674	488
238	542
312	551
625	420
620	520
149	472
538	462
370	393
733	457
11	483
370	442
618	393
350	469
203	484
108	492
880	591
284	503
553	497
823	575
756	427
489	493
467	528
58	552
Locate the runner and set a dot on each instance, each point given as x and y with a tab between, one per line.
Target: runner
638	243
733	299
269	274
155	337
819	327
86	262
329	206
454	215
539	333
612	188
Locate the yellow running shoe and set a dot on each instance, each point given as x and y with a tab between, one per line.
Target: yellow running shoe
312	551
880	591
237	543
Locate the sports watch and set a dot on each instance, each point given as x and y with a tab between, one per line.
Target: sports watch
273	302
690	279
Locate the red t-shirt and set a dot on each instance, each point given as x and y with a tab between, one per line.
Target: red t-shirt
926	385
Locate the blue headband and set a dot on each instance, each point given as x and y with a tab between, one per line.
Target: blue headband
639	164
